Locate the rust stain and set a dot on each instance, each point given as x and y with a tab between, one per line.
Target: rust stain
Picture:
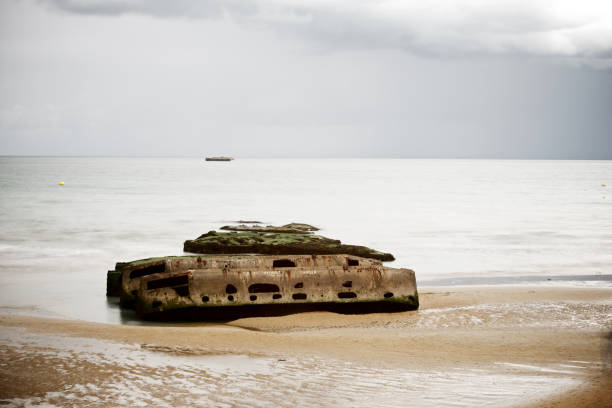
322	279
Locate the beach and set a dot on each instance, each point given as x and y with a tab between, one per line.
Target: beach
515	346
512	261
203	203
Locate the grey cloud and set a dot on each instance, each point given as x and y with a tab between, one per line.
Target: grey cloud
550	28
95	84
156	8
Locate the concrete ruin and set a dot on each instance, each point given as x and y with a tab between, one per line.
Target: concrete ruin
293	228
255	241
214	287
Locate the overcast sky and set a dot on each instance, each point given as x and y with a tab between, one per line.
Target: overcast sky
299	78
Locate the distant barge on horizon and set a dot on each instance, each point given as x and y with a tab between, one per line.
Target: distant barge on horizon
219	158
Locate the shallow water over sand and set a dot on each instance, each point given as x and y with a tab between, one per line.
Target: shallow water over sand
560	315
471	346
132	375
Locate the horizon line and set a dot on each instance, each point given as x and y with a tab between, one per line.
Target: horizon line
301	158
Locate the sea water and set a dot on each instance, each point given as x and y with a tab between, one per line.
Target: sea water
452	221
133	375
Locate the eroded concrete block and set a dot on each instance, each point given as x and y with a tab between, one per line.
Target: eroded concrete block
225	287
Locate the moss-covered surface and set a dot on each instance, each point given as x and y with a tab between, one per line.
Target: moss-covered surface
123	265
267	243
413	301
293	228
147	261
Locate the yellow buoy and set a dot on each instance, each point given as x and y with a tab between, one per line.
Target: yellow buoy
61	183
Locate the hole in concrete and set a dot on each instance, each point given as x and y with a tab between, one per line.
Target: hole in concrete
348	284
347	295
253	297
230	298
182	290
277	296
353	262
299	285
205	299
168	282
388	295
283	263
148	270
156	303
263	288
299	296
230	289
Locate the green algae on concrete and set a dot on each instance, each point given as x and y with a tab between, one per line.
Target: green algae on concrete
293	228
282	243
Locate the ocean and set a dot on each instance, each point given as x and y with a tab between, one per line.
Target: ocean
452	221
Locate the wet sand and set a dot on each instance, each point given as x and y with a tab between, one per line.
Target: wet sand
466	346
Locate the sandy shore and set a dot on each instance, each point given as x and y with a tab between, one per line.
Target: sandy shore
556	335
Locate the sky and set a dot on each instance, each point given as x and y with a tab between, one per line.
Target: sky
506	79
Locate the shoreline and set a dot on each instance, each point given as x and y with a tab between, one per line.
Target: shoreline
511	331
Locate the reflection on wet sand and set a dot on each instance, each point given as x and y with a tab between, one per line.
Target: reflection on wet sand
136	376
473	347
